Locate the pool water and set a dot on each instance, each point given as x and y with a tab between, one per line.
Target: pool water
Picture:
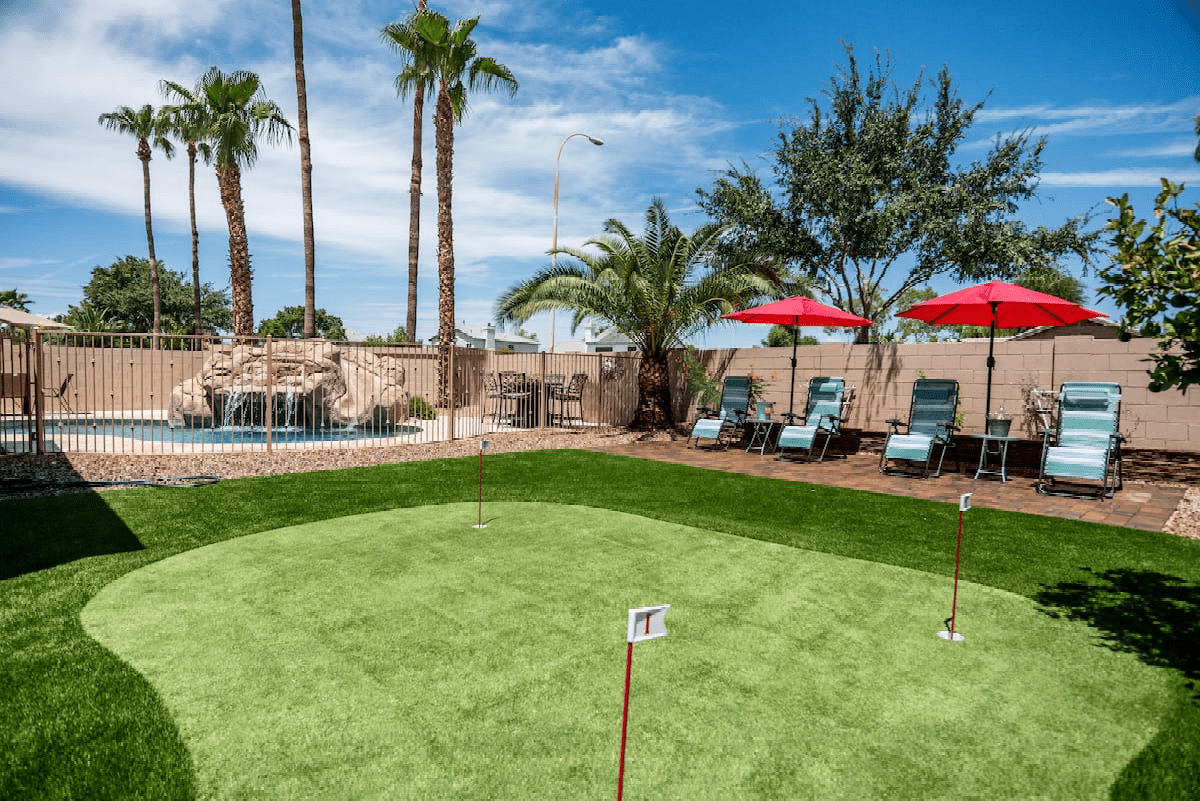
162	431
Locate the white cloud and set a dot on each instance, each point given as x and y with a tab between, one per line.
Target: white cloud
1120	178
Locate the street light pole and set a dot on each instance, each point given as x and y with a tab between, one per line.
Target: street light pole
554	243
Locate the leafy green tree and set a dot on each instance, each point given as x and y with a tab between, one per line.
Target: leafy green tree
117	299
397	337
288	323
449	57
780	336
235	115
14	299
1155	277
416	77
868	186
150	128
657	289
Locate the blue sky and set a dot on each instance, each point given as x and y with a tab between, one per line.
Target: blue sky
676	90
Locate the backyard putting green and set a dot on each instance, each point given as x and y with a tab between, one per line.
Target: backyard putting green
404	654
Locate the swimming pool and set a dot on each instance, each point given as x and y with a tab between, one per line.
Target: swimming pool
152	430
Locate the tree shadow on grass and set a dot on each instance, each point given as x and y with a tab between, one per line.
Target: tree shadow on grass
40	533
1153	615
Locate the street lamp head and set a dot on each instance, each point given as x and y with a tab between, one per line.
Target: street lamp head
594	140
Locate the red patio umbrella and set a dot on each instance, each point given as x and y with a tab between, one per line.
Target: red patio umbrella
998	305
796	312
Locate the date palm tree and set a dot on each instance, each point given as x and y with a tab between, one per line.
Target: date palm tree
415	77
310	242
455	68
192	135
657	289
235	114
150	127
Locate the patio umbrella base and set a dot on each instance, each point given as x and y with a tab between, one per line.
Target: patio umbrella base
945	635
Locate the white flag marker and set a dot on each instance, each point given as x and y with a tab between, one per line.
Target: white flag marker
647	623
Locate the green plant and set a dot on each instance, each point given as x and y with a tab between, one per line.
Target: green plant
420	408
703	387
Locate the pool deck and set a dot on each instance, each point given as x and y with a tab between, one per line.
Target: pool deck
1140	506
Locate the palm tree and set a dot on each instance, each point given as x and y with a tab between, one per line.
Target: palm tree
310	244
454	67
192	135
657	290
415	77
150	128
235	114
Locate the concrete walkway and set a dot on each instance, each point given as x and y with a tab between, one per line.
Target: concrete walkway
1141	506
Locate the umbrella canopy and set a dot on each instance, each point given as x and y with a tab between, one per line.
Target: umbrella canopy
998	305
797	312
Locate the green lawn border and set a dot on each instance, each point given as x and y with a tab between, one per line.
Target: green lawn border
80	723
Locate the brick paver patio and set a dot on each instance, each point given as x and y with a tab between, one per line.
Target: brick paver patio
1141	506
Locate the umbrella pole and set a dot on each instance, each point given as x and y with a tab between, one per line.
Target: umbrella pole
991	363
792	389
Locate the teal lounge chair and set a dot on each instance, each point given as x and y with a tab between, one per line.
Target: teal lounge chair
716	423
828	399
1085	445
930	426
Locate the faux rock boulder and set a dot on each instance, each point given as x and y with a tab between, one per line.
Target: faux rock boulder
304	383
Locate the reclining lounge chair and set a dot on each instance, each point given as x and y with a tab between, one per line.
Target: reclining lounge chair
930	426
828	399
717	422
1085	445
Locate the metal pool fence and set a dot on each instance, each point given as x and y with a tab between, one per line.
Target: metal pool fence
118	393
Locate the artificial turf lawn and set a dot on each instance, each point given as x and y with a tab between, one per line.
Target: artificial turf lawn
405	654
78	722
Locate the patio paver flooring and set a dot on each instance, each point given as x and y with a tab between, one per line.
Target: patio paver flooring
1140	506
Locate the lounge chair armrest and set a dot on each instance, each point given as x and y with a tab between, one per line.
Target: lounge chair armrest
894	425
706	411
790	417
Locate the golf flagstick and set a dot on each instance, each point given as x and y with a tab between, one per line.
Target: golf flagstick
483	446
647	623
964	503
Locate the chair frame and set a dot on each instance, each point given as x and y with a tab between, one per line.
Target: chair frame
1110	453
713	423
565	396
941	433
826	427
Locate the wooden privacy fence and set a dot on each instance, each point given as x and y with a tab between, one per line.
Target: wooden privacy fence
116	393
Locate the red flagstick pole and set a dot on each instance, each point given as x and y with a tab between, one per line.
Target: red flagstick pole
957	561
625	720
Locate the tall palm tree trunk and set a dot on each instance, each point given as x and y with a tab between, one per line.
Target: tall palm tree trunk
654	412
310	247
443	123
414	213
414	206
241	284
143	153
196	321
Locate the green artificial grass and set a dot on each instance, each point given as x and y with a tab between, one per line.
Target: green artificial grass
406	654
79	722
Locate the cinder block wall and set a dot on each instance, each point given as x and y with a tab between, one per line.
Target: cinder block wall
884	375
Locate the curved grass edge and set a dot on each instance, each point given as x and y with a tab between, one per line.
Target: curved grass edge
83	723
